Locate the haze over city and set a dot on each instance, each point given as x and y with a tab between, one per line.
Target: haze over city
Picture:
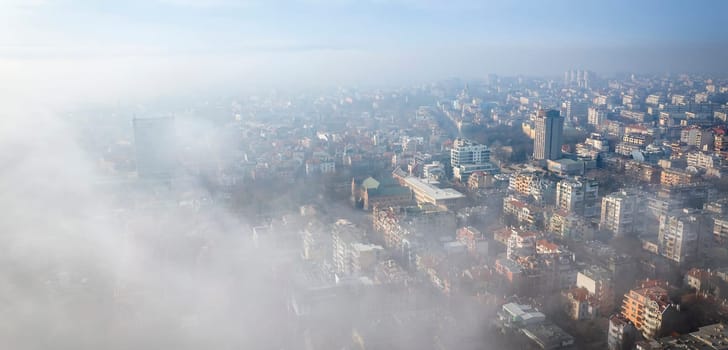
141	47
376	174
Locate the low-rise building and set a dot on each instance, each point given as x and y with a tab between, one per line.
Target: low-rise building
463	172
473	239
676	177
711	337
579	304
370	192
521	244
642	171
703	160
428	192
513	315
720	229
480	180
548	336
566	166
697	279
510	270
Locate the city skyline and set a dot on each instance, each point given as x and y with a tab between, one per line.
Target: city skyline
144	47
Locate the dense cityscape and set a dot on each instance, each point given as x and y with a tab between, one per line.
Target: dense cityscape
363	175
581	211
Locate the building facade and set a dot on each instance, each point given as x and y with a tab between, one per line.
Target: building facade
646	307
549	135
468	152
679	235
622	213
578	195
596	115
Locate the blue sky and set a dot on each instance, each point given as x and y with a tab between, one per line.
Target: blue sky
348	40
227	26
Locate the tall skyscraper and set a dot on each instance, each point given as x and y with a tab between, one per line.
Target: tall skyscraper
154	141
549	135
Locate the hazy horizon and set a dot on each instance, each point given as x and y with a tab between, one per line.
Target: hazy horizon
141	48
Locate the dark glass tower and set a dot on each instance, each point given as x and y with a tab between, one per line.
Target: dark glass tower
549	135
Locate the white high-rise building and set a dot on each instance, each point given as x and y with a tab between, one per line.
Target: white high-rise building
578	195
679	234
549	135
596	115
623	213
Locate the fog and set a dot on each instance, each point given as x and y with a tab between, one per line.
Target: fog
93	261
81	274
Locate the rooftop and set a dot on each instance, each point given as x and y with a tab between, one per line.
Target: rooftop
548	335
597	273
432	191
370	182
618	319
715	335
653	293
522	311
547	246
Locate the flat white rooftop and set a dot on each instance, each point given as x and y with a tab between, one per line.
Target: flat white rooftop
431	190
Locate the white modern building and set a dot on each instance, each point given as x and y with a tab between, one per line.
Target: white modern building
468	152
